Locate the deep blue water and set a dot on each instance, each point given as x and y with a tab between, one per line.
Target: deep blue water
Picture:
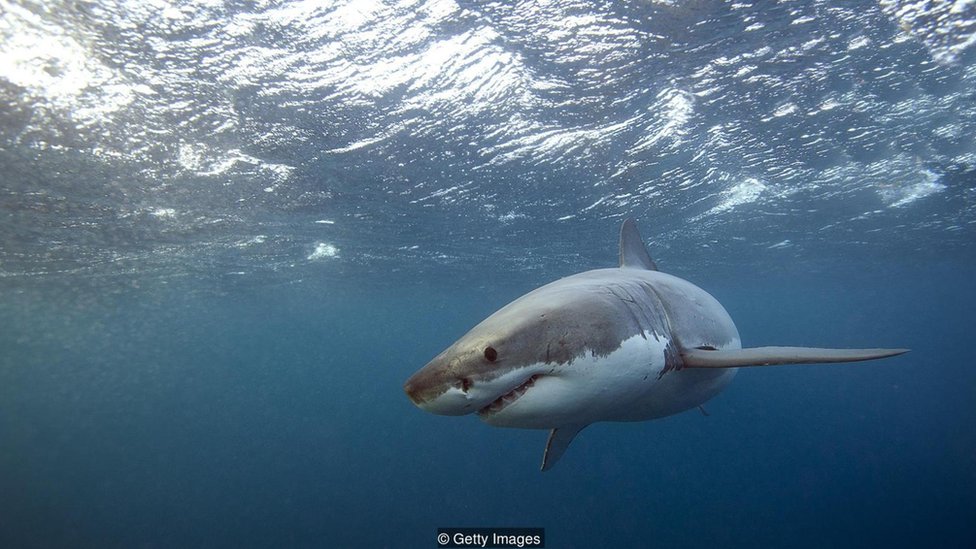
229	232
276	418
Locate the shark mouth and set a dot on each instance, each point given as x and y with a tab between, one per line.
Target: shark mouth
508	398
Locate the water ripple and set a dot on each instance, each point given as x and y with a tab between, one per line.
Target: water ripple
147	138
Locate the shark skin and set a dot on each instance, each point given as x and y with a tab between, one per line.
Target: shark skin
629	343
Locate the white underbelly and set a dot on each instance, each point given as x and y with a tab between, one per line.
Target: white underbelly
629	384
676	392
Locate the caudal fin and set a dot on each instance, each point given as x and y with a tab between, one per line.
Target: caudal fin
771	356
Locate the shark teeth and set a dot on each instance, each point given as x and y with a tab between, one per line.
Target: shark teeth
501	402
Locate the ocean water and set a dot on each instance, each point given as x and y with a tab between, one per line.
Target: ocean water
230	231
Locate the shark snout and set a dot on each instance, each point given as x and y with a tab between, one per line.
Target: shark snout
441	387
434	390
414	391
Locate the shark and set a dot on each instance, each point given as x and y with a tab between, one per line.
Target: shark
629	343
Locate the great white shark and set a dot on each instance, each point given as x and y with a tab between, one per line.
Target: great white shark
622	344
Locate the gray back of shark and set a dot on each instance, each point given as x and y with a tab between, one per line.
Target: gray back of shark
623	344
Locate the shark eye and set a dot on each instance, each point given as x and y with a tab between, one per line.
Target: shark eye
491	355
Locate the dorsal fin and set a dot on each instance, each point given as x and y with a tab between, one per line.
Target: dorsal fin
633	253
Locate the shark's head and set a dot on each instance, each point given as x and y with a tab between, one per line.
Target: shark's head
523	352
470	375
498	356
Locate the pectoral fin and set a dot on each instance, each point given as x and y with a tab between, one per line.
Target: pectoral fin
559	440
770	356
